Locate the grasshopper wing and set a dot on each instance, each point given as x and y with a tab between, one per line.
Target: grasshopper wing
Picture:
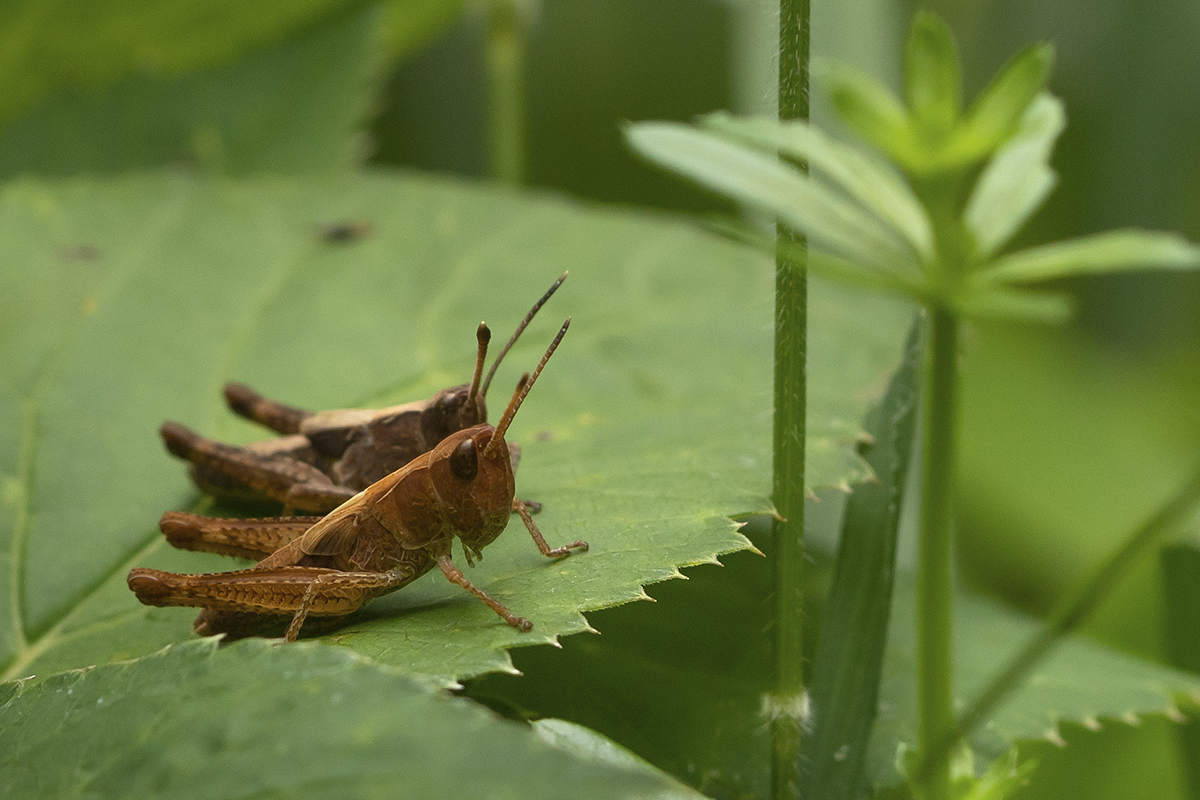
337	532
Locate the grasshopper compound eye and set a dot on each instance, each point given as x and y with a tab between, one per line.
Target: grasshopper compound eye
464	461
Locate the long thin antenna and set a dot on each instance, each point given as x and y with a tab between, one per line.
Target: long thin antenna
520	328
483	336
523	387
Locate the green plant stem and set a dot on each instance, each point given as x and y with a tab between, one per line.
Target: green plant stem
1071	614
506	90
791	331
934	662
943	197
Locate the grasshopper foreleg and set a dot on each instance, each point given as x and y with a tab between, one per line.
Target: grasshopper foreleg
521	508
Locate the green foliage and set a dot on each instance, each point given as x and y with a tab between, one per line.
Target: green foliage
973	178
292	106
191	721
130	300
871	228
52	45
680	681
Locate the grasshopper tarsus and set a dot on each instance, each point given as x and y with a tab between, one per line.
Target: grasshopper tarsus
455	576
522	508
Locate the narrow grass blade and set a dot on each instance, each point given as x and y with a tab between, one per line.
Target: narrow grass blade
849	660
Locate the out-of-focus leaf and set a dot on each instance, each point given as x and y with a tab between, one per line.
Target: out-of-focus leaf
870	109
932	75
1017	179
128	302
1004	302
58	43
995	113
844	688
591	746
1181	638
1113	251
1080	681
412	23
873	183
762	181
259	720
293	106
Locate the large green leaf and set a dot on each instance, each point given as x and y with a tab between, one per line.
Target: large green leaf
295	105
257	720
129	302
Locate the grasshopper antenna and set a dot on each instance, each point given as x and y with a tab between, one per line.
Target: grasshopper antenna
520	328
483	335
523	387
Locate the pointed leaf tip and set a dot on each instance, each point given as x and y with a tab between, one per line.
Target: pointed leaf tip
995	114
932	74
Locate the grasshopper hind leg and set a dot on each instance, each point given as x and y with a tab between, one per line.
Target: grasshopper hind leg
245	402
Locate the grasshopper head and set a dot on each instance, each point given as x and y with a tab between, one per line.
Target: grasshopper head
472	470
452	410
476	490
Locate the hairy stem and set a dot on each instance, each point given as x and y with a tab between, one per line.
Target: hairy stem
791	329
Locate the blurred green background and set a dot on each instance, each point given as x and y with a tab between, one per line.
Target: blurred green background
1070	435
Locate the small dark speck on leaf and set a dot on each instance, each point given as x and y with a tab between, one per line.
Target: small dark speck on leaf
545	436
80	252
341	232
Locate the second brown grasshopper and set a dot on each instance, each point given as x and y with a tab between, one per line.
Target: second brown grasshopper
380	540
324	458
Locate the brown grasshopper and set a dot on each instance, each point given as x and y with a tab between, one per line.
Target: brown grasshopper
325	458
377	542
